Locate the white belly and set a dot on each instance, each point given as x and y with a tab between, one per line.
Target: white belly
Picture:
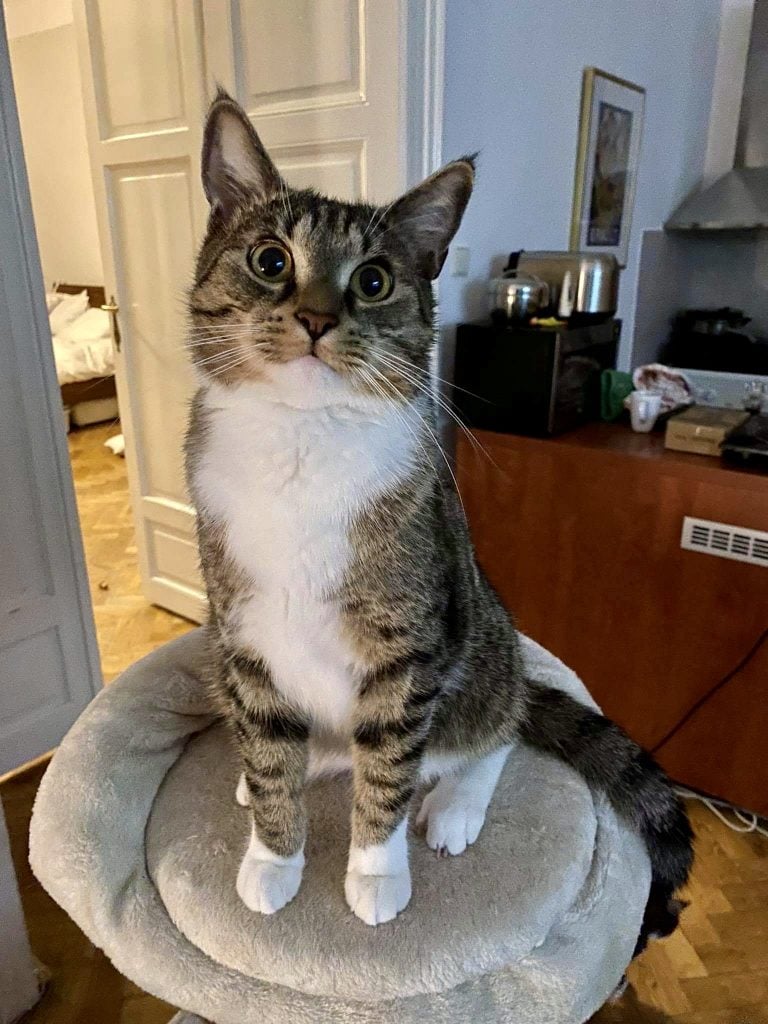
286	483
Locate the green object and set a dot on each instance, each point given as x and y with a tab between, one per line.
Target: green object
614	388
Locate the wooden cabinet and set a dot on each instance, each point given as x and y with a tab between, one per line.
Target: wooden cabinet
580	535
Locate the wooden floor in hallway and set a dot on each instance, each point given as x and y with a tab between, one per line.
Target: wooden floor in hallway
127	625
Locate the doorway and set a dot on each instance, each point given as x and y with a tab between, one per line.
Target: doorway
47	82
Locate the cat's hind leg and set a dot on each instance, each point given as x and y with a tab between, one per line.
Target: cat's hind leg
453	813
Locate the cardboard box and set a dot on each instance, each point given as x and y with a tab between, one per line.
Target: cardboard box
702	429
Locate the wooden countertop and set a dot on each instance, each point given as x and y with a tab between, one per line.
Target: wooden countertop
619	440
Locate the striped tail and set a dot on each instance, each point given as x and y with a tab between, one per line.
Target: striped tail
637	788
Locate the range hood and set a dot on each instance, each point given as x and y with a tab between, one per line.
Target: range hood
738	201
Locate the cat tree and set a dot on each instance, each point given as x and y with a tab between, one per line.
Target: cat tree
137	835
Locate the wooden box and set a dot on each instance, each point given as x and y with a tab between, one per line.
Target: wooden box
702	429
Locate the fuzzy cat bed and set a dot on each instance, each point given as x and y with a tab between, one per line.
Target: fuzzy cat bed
137	835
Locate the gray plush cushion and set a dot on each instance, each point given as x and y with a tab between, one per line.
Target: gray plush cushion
137	835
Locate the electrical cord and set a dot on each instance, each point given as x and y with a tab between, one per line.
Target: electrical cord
747	821
712	691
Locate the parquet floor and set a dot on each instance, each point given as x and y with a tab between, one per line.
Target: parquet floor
127	625
714	970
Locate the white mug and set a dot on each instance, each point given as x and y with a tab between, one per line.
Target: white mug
644	408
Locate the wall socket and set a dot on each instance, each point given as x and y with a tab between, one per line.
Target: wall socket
460	261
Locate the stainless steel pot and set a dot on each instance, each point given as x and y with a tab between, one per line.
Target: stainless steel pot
594	278
517	296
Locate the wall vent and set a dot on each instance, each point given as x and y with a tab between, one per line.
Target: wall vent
725	541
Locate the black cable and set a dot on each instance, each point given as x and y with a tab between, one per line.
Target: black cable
713	690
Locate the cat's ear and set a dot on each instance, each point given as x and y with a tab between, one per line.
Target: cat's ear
236	167
429	215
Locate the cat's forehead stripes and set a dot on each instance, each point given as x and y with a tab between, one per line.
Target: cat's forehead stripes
327	242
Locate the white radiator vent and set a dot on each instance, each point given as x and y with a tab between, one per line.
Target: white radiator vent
725	541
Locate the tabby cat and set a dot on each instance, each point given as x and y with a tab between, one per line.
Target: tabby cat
350	625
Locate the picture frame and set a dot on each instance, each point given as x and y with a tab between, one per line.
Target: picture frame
610	135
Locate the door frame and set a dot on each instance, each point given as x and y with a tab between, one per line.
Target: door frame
19	989
37	370
425	34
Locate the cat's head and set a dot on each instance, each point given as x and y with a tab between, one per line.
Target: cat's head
314	298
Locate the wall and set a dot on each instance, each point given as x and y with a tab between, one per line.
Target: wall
47	83
512	90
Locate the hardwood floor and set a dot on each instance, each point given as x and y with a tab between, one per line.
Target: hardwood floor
714	970
127	625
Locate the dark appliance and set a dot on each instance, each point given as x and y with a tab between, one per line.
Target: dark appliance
748	445
531	380
713	339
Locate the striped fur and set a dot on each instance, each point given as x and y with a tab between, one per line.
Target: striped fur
349	617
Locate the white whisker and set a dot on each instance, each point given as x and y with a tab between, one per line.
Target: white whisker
396	364
362	370
421	385
429	430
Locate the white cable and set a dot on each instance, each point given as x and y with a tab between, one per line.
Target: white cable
749	822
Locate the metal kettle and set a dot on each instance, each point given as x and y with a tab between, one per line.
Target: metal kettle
516	296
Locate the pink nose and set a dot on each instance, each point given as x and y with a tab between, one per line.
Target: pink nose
316	324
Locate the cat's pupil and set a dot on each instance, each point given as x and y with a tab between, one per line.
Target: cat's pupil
371	281
271	261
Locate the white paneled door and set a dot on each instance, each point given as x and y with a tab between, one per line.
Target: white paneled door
49	665
327	84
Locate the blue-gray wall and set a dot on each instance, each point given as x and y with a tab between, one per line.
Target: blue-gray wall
512	90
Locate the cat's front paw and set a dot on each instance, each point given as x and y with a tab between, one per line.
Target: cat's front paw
265	883
377	898
451	819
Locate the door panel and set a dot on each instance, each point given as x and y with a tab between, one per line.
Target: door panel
25	697
119	40
324	82
152	206
324	76
48	659
335	168
144	134
299	54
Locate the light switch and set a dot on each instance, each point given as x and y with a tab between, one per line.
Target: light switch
460	265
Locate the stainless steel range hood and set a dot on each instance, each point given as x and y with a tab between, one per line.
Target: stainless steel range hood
738	201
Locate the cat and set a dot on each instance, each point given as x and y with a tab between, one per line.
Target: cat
350	625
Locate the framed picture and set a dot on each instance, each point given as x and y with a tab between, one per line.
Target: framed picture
610	130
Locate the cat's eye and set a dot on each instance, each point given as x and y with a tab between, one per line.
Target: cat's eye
271	262
371	282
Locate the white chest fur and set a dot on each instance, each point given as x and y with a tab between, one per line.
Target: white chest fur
285	483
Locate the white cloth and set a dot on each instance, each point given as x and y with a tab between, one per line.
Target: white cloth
69	308
83	347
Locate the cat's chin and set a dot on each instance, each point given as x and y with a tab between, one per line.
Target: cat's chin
309	383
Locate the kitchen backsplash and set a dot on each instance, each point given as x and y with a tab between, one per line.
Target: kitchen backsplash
705	271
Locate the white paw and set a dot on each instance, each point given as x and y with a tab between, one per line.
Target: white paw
266	882
453	820
377	898
241	793
266	887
